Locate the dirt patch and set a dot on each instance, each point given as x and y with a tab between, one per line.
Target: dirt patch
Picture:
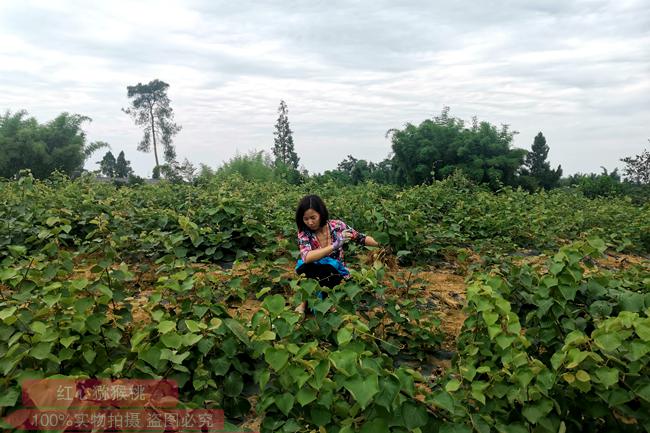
253	422
246	310
448	291
621	261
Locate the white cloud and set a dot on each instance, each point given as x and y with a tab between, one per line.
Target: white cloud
576	70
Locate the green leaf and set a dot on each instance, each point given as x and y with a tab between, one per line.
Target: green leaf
266	336
41	351
643	392
8	397
323	306
381	237
7	274
82	305
444	400
171	340
233	384
151	356
118	366
193	326
190	339
298	375
344	361
537	410
67	341
52	220
414	416
608	342
205	345
452	385
352	290
597	244
274	304
556	268
642	328
306	395
389	387
7	312
638	349
166	326
320	415
179	358
344	336
285	402
490	317
557	360
17	250
373	426
607	376
363	388
568	292
582	376
458	428
576	356
320	373
200	310
493	331
237	329
89	355
38	327
276	358
512	428
632	302
600	309
504	341
94	322
138	337
51	299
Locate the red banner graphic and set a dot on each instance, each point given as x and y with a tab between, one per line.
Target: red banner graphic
65	393
129	420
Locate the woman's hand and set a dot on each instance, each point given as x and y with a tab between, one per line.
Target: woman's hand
338	243
348	235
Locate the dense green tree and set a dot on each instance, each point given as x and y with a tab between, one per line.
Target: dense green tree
283	149
439	146
255	165
108	165
57	145
384	172
596	185
122	166
537	171
637	169
150	109
355	171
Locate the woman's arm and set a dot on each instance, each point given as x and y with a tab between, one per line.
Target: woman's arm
318	254
371	242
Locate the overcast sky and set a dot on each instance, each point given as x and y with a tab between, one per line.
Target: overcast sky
579	71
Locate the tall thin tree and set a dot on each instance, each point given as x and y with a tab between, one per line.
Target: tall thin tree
538	168
122	166
283	148
107	165
150	108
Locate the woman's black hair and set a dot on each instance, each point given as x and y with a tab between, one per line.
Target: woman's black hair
311	202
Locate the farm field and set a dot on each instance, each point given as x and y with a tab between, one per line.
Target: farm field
487	312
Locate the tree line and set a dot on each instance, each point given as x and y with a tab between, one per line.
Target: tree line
430	151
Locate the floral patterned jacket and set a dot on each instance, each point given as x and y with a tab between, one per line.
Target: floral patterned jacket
307	240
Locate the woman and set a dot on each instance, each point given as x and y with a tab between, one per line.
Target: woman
321	243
